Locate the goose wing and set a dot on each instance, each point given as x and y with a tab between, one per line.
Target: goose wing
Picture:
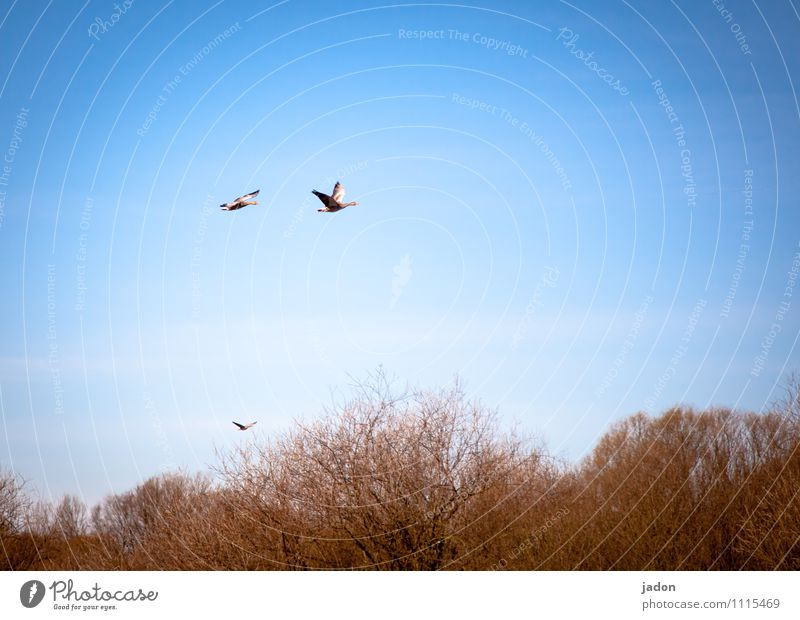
247	196
241	426
338	192
326	200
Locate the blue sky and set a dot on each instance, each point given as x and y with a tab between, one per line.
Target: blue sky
532	217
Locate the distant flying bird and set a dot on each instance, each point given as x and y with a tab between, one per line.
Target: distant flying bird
334	202
244	427
241	201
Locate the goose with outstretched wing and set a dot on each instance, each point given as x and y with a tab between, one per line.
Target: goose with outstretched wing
333	202
244	427
241	201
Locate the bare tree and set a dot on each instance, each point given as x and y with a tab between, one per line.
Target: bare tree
428	480
789	404
384	480
19	546
14	504
70	518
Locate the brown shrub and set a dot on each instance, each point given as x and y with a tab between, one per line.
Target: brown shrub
428	480
384	481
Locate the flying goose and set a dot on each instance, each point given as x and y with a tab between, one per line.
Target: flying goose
241	201
334	202
244	427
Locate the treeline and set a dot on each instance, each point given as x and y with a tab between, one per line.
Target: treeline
428	480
